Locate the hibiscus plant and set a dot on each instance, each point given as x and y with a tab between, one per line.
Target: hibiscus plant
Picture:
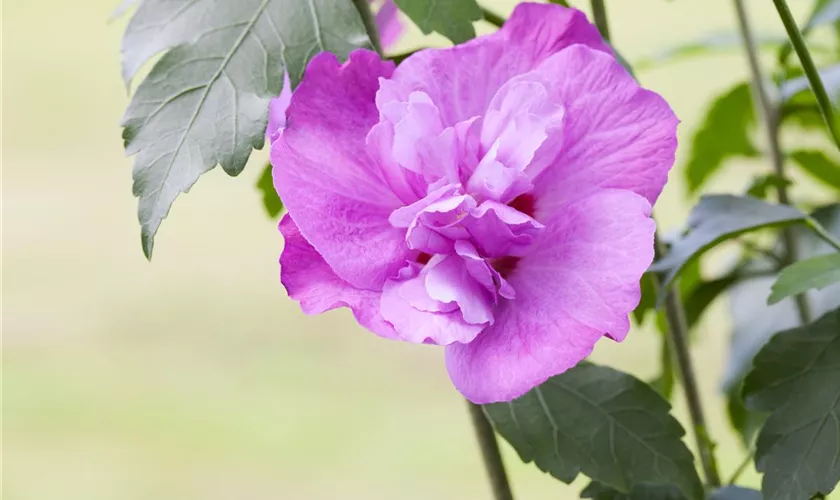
494	197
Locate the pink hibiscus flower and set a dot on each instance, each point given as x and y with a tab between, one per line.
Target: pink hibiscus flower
492	197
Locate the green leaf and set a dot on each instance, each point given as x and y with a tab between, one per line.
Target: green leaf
799	277
607	424
735	493
819	166
205	101
724	133
753	321
760	185
717	218
271	202
702	296
796	377
600	491
745	422
451	18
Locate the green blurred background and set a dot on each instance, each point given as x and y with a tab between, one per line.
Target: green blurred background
195	377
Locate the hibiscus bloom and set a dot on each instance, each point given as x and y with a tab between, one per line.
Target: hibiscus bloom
493	197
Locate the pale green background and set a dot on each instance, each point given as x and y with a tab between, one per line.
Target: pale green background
195	377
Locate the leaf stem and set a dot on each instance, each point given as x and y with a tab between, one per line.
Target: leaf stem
798	42
677	332
363	6
599	14
493	18
822	233
678	339
490	453
770	113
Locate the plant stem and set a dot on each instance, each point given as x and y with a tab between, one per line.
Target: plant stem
677	332
490	453
809	67
770	113
822	233
492	18
599	14
678	339
363	6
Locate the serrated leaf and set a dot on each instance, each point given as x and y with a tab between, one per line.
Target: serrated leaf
205	102
735	493
819	166
604	423
799	277
753	321
723	134
600	491
717	218
271	201
451	18
796	376
745	422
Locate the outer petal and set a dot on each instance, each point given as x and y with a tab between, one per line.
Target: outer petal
615	134
277	110
310	281
328	182
580	282
463	79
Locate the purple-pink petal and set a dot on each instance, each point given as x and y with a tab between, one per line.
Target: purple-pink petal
580	282
309	280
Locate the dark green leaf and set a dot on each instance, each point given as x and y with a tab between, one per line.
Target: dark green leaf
205	101
753	321
819	166
600	491
745	422
271	202
724	133
607	424
799	277
735	493
702	296
715	219
796	376
648	300
760	185
451	18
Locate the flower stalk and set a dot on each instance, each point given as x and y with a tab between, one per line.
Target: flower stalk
813	75
490	453
363	6
770	114
677	332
